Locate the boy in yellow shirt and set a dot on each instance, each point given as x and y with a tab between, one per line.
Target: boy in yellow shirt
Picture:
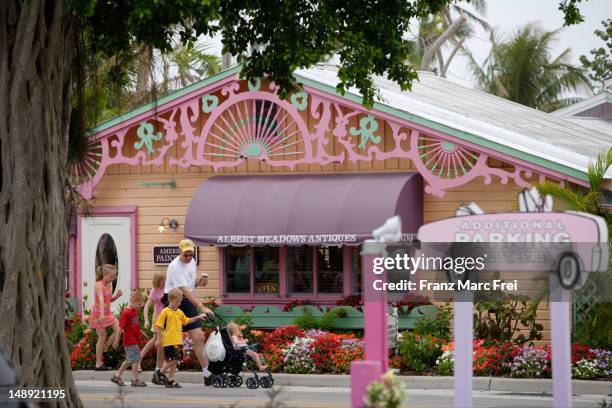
169	332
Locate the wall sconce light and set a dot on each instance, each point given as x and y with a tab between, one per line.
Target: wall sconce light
165	222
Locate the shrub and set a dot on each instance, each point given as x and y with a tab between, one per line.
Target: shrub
308	321
530	362
355	301
409	302
298	356
439	326
586	370
445	364
281	337
74	329
324	347
596	328
386	393
419	352
498	315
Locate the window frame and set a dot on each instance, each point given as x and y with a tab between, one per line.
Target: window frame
284	296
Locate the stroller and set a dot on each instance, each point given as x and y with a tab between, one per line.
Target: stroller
226	373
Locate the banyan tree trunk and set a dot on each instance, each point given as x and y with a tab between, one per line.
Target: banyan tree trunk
35	65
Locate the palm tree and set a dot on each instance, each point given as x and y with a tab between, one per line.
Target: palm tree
581	199
521	69
592	323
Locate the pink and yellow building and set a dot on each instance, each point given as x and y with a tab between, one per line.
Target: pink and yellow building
278	194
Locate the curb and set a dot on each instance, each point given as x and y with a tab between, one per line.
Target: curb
519	385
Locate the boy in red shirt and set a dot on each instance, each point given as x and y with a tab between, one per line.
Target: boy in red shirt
129	324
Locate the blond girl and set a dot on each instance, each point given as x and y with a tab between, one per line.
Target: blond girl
239	341
101	316
157	292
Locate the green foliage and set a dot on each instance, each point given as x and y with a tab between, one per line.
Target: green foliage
596	329
571	12
581	199
386	393
523	70
439	326
308	321
600	66
499	316
418	353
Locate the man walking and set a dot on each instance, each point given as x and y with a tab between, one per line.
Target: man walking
181	275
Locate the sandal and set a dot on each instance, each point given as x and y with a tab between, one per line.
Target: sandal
138	383
173	384
117	380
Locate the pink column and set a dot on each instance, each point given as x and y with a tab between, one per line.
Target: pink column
375	330
463	334
561	343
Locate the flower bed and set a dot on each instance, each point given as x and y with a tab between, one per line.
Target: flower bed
292	350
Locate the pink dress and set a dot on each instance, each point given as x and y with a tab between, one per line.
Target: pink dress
96	311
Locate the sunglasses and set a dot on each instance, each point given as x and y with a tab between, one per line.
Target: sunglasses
187	255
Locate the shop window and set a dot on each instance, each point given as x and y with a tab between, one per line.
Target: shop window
356	276
237	270
106	253
299	269
266	269
330	270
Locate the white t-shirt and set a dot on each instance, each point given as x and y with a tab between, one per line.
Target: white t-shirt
180	274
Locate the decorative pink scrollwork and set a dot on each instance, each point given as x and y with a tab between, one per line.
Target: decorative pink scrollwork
254	125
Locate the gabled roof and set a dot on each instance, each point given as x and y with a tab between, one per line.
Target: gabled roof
593	101
556	143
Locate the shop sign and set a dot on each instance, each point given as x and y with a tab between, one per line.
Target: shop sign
163	255
298	239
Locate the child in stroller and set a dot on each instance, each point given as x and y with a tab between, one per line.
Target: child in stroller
227	372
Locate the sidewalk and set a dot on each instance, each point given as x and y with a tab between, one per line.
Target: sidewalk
515	385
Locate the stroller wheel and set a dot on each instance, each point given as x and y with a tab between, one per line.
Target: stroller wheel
238	380
252	383
231	381
217	381
225	383
265	382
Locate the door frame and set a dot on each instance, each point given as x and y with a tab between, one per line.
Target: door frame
106	211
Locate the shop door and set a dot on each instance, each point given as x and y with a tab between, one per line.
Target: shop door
106	240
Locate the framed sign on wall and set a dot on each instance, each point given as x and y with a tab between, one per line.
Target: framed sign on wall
164	254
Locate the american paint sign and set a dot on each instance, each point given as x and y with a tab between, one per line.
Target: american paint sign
163	255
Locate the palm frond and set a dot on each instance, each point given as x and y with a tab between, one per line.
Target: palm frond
597	170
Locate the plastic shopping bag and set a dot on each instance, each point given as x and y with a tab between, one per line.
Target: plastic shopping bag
214	349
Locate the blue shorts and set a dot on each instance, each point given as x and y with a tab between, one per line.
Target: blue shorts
132	354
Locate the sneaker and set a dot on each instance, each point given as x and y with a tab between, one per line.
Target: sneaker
208	380
173	384
117	380
138	383
159	378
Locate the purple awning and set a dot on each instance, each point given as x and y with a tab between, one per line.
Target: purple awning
302	209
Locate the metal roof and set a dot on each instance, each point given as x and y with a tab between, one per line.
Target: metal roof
492	118
593	101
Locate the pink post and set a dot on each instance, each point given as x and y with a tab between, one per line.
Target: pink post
561	343
375	329
464	323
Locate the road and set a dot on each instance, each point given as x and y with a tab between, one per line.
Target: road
97	394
